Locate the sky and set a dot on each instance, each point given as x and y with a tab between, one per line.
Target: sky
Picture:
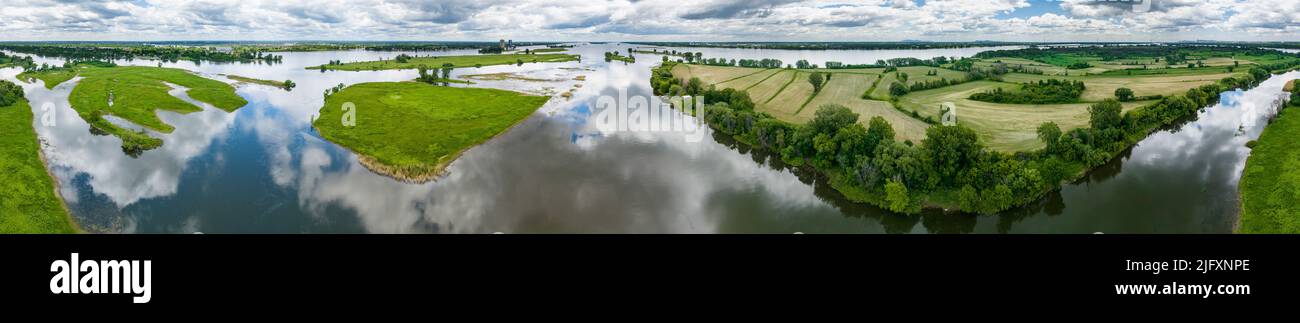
651	20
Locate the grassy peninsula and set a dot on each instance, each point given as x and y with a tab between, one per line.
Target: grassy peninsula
1270	184
412	131
29	203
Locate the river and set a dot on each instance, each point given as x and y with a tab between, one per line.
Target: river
262	169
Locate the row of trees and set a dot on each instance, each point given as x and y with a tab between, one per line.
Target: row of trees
1042	92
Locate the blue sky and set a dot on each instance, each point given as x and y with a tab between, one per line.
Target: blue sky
659	20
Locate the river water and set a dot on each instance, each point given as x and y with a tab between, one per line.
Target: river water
262	168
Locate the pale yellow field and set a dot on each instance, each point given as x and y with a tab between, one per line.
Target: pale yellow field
846	90
765	91
712	74
749	81
787	103
1002	127
1103	87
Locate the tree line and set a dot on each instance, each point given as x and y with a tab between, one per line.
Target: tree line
170	54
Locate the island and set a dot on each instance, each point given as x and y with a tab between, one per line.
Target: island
134	94
411	131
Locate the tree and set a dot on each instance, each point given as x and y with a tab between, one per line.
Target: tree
952	150
902	76
1050	134
896	196
1105	115
817	80
829	118
289	85
694	86
1124	94
897	89
878	131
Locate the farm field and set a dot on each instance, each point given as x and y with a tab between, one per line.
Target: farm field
1103	87
846	90
1003	127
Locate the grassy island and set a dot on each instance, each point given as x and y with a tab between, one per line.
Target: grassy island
135	94
461	61
411	131
1270	184
286	85
29	203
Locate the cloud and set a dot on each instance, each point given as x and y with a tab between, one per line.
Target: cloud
778	20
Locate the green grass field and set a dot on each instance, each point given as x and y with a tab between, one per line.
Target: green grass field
29	203
136	94
412	131
456	61
1270	184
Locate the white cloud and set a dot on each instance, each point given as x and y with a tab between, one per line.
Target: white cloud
636	19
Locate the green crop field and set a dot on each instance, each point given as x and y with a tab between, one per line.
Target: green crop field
412	131
29	203
456	61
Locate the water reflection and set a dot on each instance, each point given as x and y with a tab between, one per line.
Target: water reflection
263	169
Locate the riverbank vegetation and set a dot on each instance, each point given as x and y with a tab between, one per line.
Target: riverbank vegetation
450	119
135	94
1270	183
166	53
29	203
996	156
458	61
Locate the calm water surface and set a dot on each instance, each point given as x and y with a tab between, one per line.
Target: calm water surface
262	168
